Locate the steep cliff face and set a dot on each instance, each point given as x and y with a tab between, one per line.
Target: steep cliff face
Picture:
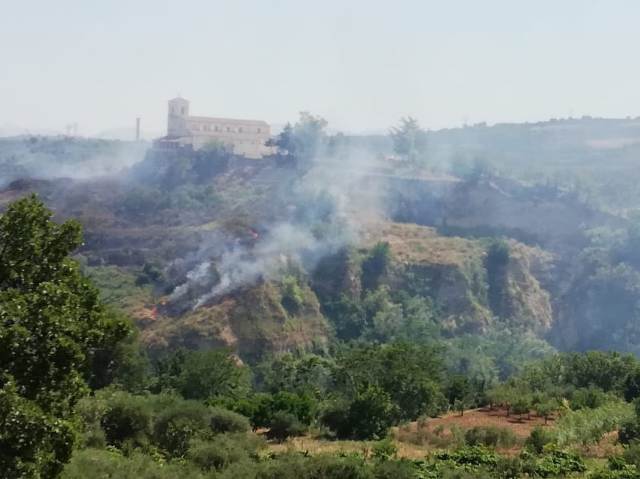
526	301
253	322
453	272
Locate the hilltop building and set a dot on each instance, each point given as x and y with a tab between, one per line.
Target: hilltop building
245	137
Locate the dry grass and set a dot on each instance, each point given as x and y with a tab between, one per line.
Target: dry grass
496	417
416	244
417	439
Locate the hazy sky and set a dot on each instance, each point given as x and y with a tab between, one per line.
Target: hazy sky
362	64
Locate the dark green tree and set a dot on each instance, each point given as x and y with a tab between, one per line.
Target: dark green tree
410	374
53	331
206	375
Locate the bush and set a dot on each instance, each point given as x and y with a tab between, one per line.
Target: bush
223	420
559	463
335	416
216	454
284	425
260	408
178	425
469	456
127	419
631	454
368	416
629	432
96	463
538	439
588	398
588	426
210	374
521	406
490	436
384	450
332	467
303	407
402	469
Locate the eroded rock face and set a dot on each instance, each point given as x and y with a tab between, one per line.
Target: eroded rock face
452	271
526	301
252	321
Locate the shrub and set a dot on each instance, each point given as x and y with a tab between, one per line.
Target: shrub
127	418
631	454
284	425
303	407
255	407
96	463
469	456
223	420
332	467
369	416
210	374
384	450
336	417
588	398
94	436
545	409
538	439
559	463
490	436
587	426
629	432
216	454
521	406
178	425
402	469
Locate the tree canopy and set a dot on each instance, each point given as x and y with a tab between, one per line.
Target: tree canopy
54	333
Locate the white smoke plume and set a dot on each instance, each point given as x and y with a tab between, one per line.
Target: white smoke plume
331	206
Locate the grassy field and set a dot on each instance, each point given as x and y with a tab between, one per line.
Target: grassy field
417	439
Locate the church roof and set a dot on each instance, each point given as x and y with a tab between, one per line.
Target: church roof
229	120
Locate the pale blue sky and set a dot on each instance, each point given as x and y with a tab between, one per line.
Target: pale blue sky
362	64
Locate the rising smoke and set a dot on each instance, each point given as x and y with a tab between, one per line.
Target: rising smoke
330	208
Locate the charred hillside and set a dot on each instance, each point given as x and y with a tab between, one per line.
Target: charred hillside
327	241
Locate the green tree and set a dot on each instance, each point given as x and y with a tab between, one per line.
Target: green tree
409	141
368	416
410	374
302	141
53	330
211	374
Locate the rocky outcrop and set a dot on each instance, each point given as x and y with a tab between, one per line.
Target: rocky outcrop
452	271
252	321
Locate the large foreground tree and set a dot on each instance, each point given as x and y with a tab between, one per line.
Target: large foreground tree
54	337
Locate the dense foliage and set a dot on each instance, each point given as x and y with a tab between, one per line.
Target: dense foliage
55	338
